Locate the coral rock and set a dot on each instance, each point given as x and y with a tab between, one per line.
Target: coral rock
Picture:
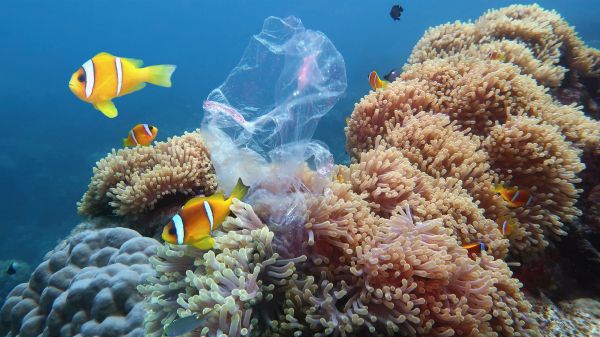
86	286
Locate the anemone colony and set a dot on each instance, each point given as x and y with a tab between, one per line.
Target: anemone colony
377	249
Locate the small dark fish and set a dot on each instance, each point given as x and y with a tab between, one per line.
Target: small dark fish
392	75
184	325
396	12
11	268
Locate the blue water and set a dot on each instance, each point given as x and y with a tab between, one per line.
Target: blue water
50	140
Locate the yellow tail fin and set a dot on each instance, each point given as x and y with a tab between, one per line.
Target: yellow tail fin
239	191
125	142
160	75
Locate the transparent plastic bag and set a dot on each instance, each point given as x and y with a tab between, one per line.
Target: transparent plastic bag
287	79
259	123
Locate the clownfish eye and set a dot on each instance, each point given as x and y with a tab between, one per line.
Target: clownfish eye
81	77
172	230
151	127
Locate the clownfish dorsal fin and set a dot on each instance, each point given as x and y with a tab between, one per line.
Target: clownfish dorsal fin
219	195
102	54
136	62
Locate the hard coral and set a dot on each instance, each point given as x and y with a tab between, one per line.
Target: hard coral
84	287
132	182
577	318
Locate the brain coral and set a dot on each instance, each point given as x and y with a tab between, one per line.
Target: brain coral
86	286
134	181
355	274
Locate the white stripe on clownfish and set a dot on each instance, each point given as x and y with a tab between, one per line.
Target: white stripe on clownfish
133	137
119	67
515	197
148	132
178	223
88	68
209	213
529	201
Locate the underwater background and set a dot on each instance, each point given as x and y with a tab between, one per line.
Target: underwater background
465	200
50	140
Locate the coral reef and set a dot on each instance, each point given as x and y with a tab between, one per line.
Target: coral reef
135	181
355	273
491	107
8	281
577	318
538	41
85	287
228	283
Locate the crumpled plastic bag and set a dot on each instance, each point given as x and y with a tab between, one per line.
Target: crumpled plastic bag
265	113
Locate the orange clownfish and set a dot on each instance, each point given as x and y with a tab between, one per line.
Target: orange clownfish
513	196
497	55
141	134
376	82
507	225
195	221
475	248
104	77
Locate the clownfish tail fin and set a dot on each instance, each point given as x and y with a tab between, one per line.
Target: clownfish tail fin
125	142
239	191
160	75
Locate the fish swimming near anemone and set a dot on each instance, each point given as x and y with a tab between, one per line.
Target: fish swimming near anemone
507	225
184	325
140	135
105	77
196	220
375	82
392	75
475	248
497	55
513	196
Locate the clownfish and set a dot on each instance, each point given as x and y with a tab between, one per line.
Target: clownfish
475	248
195	221
496	55
507	225
513	196
141	134
104	77
376	82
